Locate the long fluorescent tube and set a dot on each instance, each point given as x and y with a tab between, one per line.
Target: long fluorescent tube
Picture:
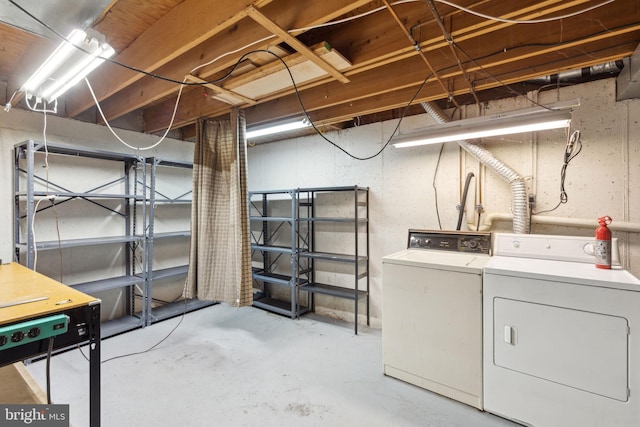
68	64
52	63
528	120
283	127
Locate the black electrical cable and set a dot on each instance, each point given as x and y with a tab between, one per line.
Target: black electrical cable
129	67
168	79
243	57
48	369
313	125
230	72
156	344
572	149
495	78
182	316
384	146
509	89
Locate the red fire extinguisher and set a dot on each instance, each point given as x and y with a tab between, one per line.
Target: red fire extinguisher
603	243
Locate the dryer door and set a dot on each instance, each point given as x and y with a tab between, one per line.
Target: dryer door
579	349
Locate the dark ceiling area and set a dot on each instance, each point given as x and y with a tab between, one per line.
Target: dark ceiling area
347	62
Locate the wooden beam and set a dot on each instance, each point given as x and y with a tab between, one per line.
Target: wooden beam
184	27
380	47
322	95
422	55
289	13
295	43
397	99
324	106
533	52
223	91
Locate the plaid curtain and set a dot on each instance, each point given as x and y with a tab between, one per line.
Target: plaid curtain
220	254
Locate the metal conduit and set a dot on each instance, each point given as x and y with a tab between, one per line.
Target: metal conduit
519	202
627	227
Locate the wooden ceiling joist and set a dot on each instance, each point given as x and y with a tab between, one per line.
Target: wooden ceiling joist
224	95
384	68
258	82
245	32
295	43
183	28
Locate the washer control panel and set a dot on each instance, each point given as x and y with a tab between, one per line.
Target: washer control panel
455	241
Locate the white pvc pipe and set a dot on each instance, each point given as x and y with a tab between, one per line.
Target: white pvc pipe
632	227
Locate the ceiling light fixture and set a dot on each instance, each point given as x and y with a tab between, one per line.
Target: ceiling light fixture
72	60
278	128
553	116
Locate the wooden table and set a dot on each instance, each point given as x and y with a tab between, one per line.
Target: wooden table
26	295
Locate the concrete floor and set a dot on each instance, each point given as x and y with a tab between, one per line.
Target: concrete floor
247	367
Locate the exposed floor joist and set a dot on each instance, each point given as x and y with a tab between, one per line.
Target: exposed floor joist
464	53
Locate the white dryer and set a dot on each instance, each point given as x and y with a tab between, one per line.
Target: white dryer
561	337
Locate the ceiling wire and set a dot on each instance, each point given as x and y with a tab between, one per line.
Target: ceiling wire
185	83
351	18
300	102
123	142
517	21
524	21
418	48
497	80
449	39
387	6
138	70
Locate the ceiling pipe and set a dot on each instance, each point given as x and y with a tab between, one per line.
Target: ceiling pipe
612	67
628	227
628	81
519	200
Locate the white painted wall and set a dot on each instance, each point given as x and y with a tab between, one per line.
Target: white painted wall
604	179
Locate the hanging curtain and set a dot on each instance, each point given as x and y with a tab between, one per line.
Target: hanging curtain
220	255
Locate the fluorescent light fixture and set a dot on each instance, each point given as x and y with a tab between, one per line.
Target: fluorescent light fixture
554	116
279	128
68	64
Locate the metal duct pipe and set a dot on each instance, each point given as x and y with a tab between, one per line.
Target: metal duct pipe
519	202
612	67
463	202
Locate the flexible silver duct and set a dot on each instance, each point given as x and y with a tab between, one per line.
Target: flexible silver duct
608	68
519	202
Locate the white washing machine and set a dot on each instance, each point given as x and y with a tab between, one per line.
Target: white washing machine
432	313
561	337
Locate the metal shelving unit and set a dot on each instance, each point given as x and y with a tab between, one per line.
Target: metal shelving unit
285	245
28	195
355	254
276	239
138	206
158	199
